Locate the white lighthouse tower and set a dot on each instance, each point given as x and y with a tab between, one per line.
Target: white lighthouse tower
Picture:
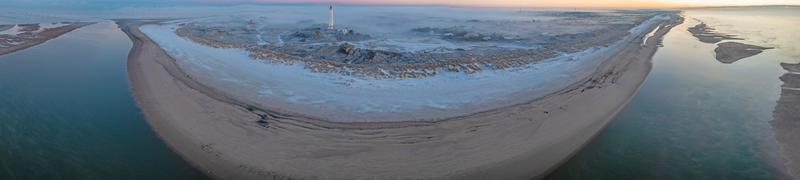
330	17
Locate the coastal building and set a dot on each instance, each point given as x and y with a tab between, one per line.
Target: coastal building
330	17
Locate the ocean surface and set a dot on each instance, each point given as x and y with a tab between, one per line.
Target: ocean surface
697	118
66	112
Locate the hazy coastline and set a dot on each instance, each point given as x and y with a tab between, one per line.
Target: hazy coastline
38	38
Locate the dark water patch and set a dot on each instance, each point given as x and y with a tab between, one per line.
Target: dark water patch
67	113
4	27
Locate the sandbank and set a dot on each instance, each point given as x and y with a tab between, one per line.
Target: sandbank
230	139
41	37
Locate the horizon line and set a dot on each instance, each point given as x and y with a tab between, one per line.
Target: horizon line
479	6
229	3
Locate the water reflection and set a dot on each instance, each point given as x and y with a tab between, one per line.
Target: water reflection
697	118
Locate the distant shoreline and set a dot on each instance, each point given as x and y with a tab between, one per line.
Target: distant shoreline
43	37
226	139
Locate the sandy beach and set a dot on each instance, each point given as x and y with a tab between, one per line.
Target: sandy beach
229	139
42	37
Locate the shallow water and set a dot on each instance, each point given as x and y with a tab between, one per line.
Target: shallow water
694	117
67	113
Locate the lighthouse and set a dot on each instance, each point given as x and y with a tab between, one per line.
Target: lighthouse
330	17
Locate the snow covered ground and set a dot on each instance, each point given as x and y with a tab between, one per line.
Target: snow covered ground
45	26
293	88
336	98
12	31
415	29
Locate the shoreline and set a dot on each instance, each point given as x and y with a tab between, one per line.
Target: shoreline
43	37
209	130
319	98
729	50
785	119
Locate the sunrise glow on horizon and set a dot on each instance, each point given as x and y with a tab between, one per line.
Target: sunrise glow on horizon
560	3
457	3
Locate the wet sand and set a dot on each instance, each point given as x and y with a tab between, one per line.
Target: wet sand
726	52
730	52
231	140
43	37
786	120
707	34
795	68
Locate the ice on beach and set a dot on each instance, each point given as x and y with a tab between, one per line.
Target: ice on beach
45	26
652	32
292	88
16	29
13	31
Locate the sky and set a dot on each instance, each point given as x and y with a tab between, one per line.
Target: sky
470	3
571	3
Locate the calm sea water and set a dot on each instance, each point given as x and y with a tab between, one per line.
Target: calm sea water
66	112
696	118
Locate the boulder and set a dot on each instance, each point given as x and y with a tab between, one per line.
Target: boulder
347	48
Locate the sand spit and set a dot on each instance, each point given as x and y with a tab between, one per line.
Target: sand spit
786	120
31	35
730	52
727	52
795	68
231	140
708	34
